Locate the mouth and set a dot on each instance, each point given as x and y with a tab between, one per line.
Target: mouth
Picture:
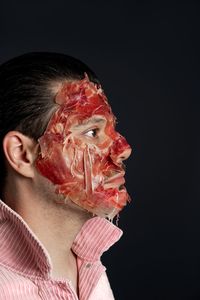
116	181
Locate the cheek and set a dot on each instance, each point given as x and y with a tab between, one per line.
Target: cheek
62	163
96	166
104	167
74	157
54	166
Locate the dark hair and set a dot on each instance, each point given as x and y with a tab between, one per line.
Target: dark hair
26	96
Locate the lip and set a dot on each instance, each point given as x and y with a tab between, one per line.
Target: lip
116	177
115	181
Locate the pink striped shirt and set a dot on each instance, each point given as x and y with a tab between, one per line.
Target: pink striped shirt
25	265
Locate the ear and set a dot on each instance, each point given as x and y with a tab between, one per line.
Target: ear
20	152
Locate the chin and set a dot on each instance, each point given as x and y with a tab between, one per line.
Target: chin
103	203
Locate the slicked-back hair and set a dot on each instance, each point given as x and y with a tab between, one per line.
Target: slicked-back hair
26	96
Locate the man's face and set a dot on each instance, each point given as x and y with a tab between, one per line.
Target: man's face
82	153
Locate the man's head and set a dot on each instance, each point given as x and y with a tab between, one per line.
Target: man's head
56	101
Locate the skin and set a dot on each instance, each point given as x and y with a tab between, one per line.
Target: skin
26	191
56	219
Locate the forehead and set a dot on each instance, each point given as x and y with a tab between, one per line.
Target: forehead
81	103
83	97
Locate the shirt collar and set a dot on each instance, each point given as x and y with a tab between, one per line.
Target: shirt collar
21	251
95	237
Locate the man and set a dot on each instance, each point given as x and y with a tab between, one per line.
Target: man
62	179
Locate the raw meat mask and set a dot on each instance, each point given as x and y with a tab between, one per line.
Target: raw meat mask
82	153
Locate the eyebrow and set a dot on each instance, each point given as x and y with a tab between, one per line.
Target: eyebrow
91	121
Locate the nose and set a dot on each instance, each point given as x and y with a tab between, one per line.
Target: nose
120	150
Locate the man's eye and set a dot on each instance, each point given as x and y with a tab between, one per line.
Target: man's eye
92	132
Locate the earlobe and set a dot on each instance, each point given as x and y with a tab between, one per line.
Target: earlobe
19	153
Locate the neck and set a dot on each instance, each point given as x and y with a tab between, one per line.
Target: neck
56	226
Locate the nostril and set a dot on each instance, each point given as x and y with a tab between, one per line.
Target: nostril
120	150
126	153
122	157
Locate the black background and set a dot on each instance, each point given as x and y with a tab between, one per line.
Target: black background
146	55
